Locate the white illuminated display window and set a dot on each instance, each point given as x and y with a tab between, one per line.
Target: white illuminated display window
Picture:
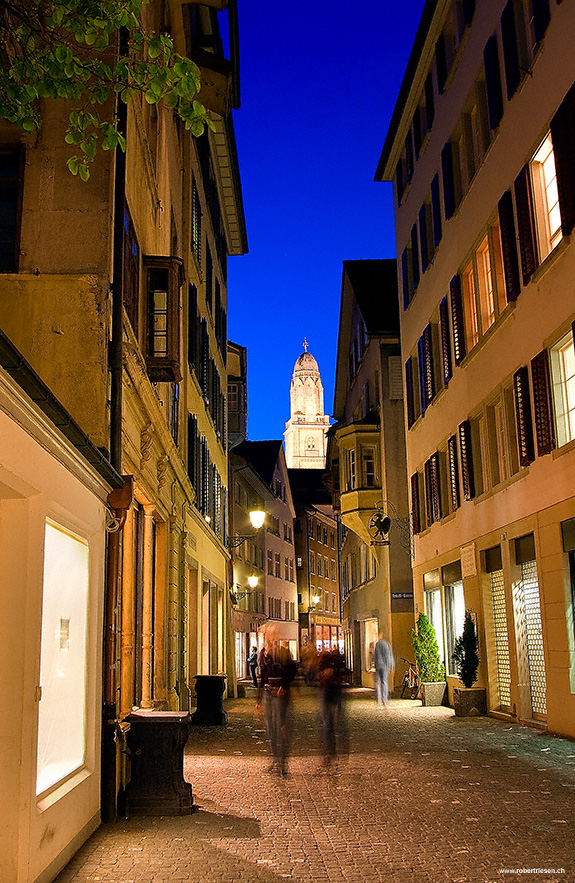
62	707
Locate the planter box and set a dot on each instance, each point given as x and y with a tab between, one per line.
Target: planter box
433	693
469	701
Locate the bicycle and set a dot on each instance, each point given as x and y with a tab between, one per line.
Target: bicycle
411	681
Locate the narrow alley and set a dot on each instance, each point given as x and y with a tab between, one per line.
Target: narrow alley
422	796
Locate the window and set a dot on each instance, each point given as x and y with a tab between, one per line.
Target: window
278	564
310	528
270	562
483	287
563	380
291	572
350	470
326	568
455	616
325	536
196	222
546	198
10	199
368	466
332	539
434	613
164	277
312	562
131	277
318	532
286	569
333	570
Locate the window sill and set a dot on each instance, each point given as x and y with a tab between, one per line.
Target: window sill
564	449
550	260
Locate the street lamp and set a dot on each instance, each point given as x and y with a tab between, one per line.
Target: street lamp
252	583
257	518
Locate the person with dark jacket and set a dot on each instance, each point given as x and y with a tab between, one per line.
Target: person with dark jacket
253	665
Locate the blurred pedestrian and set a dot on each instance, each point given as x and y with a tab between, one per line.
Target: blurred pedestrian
285	669
332	674
309	659
384	665
253	665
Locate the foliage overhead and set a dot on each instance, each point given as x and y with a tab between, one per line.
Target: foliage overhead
426	651
67	50
466	653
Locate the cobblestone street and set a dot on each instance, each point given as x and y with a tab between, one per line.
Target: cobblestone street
423	796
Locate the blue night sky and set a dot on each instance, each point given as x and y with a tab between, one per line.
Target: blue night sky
319	81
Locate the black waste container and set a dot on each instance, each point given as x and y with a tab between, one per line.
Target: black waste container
210	691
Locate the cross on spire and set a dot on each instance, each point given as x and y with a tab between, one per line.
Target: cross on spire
305	344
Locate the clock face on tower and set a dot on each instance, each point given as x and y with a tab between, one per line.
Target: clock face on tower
305	434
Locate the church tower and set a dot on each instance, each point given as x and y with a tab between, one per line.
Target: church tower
306	430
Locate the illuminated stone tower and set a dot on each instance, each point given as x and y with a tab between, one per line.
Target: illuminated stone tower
305	433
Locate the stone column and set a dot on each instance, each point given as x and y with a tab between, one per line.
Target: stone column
148	610
127	627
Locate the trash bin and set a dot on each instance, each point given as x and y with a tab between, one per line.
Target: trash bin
210	691
156	741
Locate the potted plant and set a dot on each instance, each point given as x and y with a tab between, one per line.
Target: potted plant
468	700
429	665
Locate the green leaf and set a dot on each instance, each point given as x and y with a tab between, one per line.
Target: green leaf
84	172
72	163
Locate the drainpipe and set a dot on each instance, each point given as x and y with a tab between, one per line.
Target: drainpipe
120	501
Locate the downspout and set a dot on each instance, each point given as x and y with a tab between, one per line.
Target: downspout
120	501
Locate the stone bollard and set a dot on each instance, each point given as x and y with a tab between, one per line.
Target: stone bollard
210	691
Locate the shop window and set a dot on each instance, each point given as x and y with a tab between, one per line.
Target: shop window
454	619
62	709
562	357
370	637
164	277
434	613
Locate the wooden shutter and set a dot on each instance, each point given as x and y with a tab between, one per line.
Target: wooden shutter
563	138
429	102
435	211
448	180
466	456
423	238
453	472
510	49
429	375
405	279
399	185
493	82
526	224
414	257
428	493
415	512
408	157
457	323
509	246
541	17
435	487
542	403
441	63
445	342
423	400
523	416
409	400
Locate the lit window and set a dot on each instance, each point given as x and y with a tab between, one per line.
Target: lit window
563	373
483	287
546	196
164	279
470	306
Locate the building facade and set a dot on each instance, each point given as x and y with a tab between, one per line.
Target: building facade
306	430
368	472
113	294
480	150
316	539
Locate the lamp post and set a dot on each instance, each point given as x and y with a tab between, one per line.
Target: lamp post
311	621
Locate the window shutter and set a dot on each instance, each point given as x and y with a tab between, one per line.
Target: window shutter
466	456
414	257
541	17
417	136
445	342
405	279
434	486
453	472
563	137
409	401
423	400
423	240
435	211
441	63
399	181
493	82
542	403
523	416
526	224
457	323
428	373
428	493
448	180
192	325
510	49
415	516
409	157
509	246
429	102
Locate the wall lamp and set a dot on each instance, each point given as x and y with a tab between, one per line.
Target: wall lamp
257	518
252	583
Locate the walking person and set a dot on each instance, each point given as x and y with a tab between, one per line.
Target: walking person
253	665
384	666
331	678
